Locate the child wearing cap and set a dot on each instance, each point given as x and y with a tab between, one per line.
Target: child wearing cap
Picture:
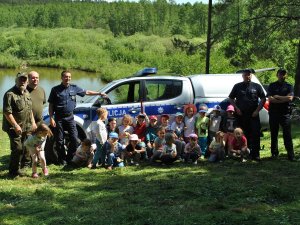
215	122
100	132
192	150
217	148
201	127
134	150
140	126
177	128
189	121
169	153
151	134
238	146
84	154
164	122
125	130
230	123
114	151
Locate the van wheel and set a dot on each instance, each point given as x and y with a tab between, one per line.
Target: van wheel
50	146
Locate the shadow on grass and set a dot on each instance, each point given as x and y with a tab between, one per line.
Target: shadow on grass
224	193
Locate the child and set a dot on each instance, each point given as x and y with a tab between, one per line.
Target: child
125	130
159	142
141	125
151	134
189	121
135	150
164	122
84	154
230	123
114	151
201	127
217	148
177	128
99	130
238	146
192	150
169	153
112	126
35	144
215	121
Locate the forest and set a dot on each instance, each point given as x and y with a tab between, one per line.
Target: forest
115	38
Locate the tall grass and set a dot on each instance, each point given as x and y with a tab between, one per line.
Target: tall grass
99	51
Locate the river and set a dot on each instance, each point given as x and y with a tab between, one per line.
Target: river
50	77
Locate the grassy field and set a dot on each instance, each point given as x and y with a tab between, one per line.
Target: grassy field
223	193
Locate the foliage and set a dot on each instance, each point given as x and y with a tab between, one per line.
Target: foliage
208	193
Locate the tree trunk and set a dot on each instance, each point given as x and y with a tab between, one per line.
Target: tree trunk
208	41
297	75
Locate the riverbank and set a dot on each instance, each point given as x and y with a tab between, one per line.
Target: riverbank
97	50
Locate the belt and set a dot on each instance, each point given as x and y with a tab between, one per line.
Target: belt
62	115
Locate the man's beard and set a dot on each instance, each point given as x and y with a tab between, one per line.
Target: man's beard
22	87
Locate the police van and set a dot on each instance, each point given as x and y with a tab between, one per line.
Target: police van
155	94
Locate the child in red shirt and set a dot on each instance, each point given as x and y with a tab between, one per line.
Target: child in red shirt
238	147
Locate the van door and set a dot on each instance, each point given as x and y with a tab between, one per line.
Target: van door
162	96
124	99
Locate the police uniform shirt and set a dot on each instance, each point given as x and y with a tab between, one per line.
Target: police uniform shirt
64	98
282	89
20	106
246	95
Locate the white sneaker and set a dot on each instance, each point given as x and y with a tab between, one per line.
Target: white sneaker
195	163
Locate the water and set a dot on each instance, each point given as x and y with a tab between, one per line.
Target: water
49	78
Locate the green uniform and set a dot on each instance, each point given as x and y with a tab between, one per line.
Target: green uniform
20	106
38	97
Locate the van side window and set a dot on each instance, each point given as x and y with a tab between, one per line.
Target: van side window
162	89
125	93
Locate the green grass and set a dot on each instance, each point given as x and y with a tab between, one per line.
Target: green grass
223	193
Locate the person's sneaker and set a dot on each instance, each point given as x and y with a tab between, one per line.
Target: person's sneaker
109	168
35	175
195	163
244	160
45	171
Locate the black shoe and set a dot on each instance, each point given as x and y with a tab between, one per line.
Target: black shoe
62	163
257	159
274	156
292	159
17	173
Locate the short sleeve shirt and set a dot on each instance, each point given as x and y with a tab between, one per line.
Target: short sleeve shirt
282	89
38	96
64	98
247	96
202	126
238	145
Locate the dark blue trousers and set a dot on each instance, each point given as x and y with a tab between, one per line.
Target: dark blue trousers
285	122
66	124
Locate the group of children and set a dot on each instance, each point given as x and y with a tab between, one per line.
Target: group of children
190	136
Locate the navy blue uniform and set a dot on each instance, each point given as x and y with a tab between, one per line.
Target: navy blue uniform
247	95
280	115
63	100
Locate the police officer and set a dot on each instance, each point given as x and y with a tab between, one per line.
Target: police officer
280	93
245	97
62	102
18	120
